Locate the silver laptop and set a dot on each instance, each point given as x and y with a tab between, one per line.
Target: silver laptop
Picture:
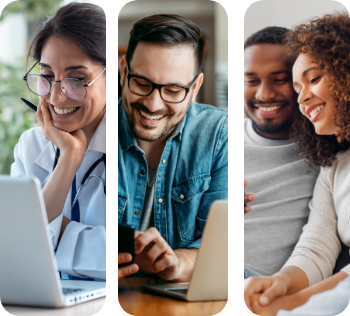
28	269
209	279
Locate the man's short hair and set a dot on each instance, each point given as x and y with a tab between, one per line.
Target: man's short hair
168	30
268	35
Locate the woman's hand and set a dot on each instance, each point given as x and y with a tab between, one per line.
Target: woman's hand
248	198
270	288
72	146
127	270
68	143
287	302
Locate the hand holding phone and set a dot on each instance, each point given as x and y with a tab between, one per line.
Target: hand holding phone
126	242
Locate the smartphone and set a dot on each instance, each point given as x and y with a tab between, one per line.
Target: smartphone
126	241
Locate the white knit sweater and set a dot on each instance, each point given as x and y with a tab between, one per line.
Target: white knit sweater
318	247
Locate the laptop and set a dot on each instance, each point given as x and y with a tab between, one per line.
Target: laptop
28	269
209	280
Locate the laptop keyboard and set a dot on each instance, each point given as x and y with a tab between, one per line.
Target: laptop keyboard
180	291
67	290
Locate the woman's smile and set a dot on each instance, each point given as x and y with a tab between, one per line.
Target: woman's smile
63	112
314	111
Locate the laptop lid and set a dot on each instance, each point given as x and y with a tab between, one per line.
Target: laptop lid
210	275
27	267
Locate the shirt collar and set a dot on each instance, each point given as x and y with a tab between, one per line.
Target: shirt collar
98	141
47	157
126	136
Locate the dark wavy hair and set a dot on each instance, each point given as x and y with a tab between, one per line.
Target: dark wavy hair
84	23
168	30
327	41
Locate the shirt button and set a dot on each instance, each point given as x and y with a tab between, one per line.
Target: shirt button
160	200
143	171
164	161
137	149
137	212
182	196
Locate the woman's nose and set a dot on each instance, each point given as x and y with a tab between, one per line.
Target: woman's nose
56	93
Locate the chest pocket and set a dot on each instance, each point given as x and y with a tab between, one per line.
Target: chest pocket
122	201
186	198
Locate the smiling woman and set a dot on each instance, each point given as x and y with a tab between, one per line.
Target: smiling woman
72	117
323	82
321	78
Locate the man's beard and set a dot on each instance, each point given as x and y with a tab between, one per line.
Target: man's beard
272	129
268	127
135	106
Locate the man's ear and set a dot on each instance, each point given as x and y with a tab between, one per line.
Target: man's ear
122	70
197	86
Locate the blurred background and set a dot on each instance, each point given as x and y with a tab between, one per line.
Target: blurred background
286	13
19	22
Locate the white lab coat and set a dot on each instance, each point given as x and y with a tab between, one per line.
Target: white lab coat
82	248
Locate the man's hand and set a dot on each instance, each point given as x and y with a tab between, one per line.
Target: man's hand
154	255
250	197
256	308
270	288
127	270
287	302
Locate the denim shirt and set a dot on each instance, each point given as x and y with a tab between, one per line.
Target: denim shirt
192	173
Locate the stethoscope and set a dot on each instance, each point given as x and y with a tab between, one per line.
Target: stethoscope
87	175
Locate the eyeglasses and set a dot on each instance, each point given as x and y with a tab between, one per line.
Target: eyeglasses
169	93
73	88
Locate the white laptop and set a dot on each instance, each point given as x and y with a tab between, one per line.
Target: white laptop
209	279
28	269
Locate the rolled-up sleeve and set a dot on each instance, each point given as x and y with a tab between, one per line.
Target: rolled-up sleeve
54	229
82	251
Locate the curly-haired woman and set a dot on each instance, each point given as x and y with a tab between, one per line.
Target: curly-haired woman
321	77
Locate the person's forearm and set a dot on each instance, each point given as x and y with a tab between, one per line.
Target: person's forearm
294	278
57	188
303	296
187	260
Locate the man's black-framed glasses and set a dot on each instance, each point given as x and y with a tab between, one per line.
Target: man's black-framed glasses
73	88
169	93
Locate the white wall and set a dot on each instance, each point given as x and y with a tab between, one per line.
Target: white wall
285	13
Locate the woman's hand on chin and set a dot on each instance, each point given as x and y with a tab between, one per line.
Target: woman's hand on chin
73	144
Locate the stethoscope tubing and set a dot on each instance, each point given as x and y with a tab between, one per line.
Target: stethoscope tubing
86	177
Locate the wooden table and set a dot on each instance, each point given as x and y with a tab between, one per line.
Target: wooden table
139	302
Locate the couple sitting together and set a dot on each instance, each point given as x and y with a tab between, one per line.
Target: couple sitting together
297	165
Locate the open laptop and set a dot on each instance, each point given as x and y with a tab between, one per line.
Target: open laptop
28	269
209	279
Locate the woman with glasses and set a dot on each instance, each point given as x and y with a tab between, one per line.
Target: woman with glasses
67	153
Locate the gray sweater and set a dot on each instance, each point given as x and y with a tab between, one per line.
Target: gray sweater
277	175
